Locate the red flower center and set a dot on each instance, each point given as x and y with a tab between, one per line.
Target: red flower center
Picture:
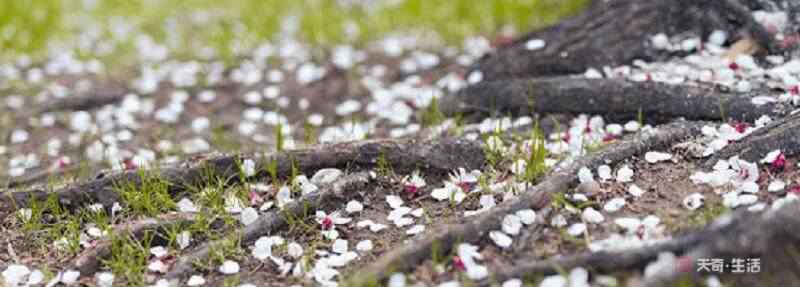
411	189
327	223
466	186
778	164
63	163
129	164
255	198
740	127
733	66
640	232
458	264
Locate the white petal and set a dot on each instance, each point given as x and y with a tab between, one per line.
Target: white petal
654	156
527	216
501	239
585	175
535	44
249	167
576	229
248	216
184	239
776	185
771	156
104	279
614	204
186	205
295	250
397	280
339	246
591	215
326	176
157	266
394	201
749	187
15	274
628	223
229	267
624	174
512	224
364	245
416	229
635	190
604	172
158	251
196	280
70	277
354	206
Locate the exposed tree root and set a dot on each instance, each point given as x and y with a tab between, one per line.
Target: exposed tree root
769	236
601	262
98	97
536	197
743	234
783	134
88	261
435	157
345	188
45	175
617	98
626	27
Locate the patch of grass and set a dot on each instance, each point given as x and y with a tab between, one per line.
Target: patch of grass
384	166
129	257
300	223
150	198
432	115
224	249
231	281
27	26
272	170
279	138
309	133
494	148
535	163
31	217
703	216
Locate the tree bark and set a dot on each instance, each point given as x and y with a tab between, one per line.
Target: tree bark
615	33
616	98
438	157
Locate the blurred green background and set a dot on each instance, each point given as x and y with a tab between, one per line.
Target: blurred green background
30	27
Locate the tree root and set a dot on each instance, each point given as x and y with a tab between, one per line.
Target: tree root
45	175
435	157
537	197
343	189
89	261
571	46
783	134
743	234
100	96
617	98
770	236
